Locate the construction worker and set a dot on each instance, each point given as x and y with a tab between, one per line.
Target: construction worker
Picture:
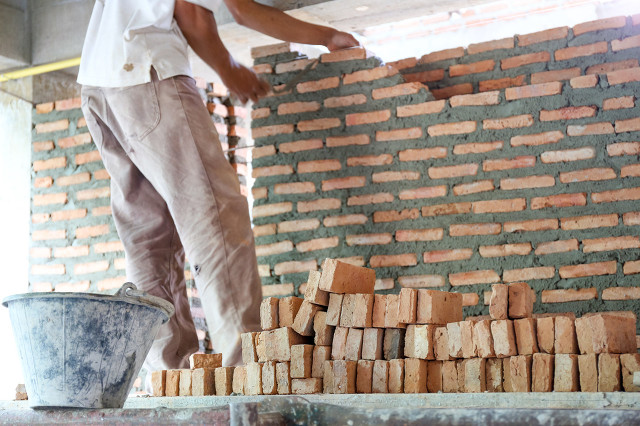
172	190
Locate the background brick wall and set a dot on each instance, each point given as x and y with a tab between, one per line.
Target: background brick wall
74	243
520	164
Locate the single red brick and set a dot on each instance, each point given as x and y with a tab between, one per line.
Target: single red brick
315	86
487	276
514	122
588	372
457	89
431	107
533	91
542	373
543	36
471	68
527	59
537	138
560	200
579	51
520	373
609	373
555	75
600	24
501	83
623	76
369	75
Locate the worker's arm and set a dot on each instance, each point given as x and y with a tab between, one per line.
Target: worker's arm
275	23
199	28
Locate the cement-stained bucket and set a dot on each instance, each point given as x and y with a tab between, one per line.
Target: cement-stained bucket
84	350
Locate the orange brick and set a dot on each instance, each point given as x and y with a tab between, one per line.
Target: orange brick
630	125
542	36
345	55
404	63
404	89
294	188
568	113
527	59
446	255
266	131
561	200
399	134
514	122
579	51
71	251
531	225
453	171
92	231
526	274
52	126
473	187
568	295
370	160
587	175
318	166
43	182
479	99
600	24
427	76
73	179
48	199
297	107
394	176
631	218
44	108
626	43
354	219
315	86
534	90
91	194
361	200
381	261
368	239
561	246
505	43
504	339
477	147
52	163
262	69
555	75
343	183
260	113
73	141
520	249
623	148
621	293
319	124
345	101
42	146
372	117
501	83
303	145
442	55
499	206
616	195
507	164
452	128
445	209
419	234
590	269
40	217
317	244
584	82
348	140
274	248
527	182
468	229
87	157
623	76
457	89
609	373
474	277
612	66
432	107
471	68
272	209
369	75
426	192
587	222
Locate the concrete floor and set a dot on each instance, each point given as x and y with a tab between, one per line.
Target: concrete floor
451	409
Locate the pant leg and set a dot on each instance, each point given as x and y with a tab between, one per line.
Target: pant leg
153	251
178	151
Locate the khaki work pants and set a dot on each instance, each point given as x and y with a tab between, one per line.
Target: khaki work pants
173	192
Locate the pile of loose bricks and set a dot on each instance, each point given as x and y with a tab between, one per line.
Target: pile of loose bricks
342	338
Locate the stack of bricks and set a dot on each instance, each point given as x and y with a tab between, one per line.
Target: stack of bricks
206	376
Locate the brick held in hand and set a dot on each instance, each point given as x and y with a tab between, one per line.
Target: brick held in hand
482	339
344	376
588	372
499	302
303	323
521	299
353	349
493	375
269	313
249	347
609	372
438	307
288	308
449	377
380	380
239	377
391	312
372	343
607	332
418	341
393	343
407	312
158	382
301	361
364	376
203	381
269	385
542	372
526	336
474	375
565	374
455	339
545	333
283	378
441	344
629	364
172	384
396	376
339	345
334	309
434	376
520	373
312	291
323	333
306	386
504	339
224	380
565	335
205	361
342	277
253	379
320	355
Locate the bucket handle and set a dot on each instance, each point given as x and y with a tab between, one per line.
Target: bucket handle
130	291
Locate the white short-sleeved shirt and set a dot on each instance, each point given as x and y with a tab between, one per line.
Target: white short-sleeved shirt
125	38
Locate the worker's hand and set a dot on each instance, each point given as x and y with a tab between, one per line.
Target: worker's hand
243	83
341	40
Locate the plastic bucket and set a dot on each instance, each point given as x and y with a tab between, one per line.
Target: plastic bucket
84	350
